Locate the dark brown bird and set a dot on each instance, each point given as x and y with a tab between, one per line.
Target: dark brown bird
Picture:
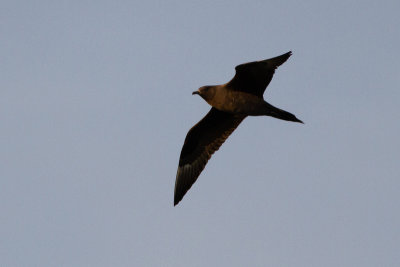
231	104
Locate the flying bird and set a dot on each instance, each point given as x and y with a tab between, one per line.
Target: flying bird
230	104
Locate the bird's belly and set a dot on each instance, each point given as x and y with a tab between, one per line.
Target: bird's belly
241	103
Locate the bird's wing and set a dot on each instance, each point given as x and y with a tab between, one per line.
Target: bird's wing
201	142
254	77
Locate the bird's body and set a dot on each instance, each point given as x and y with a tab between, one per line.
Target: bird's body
236	102
231	104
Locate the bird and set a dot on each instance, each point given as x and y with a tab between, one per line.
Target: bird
230	104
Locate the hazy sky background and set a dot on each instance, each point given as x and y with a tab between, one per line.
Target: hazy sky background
95	102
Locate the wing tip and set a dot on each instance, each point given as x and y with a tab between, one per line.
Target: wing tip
282	58
176	200
181	184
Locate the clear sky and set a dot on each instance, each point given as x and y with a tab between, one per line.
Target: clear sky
95	103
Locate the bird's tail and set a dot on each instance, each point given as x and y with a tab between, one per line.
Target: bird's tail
280	113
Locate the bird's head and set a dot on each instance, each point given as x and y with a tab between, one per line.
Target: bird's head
206	92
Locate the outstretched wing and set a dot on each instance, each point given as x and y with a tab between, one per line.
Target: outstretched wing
201	142
254	77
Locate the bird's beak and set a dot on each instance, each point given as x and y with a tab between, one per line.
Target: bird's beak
196	93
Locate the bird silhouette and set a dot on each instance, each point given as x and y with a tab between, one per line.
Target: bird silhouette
230	104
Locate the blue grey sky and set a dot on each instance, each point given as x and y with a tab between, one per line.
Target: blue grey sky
95	103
